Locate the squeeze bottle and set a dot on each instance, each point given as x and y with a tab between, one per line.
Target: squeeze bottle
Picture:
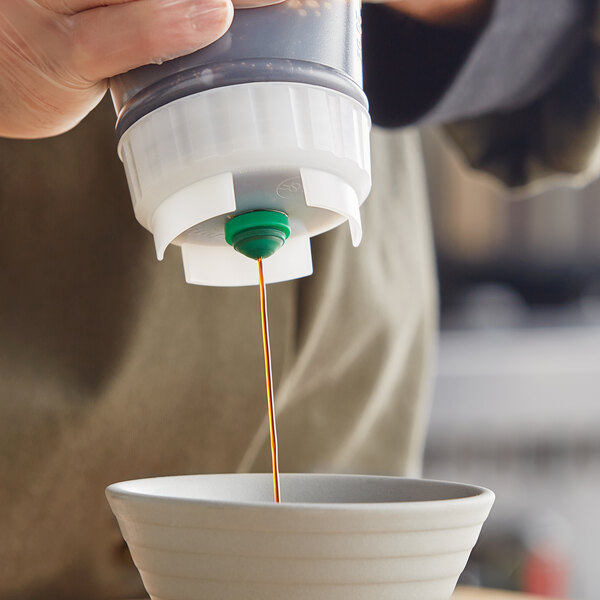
255	143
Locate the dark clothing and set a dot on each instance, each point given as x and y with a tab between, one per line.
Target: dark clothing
415	72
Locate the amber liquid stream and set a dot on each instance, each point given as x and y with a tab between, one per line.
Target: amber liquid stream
269	379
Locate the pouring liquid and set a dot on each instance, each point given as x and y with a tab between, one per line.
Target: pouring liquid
269	380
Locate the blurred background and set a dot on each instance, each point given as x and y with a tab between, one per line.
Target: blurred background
517	396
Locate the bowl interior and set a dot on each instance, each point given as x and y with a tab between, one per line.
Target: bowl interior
297	488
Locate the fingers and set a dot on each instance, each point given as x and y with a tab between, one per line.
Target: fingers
443	12
70	7
110	40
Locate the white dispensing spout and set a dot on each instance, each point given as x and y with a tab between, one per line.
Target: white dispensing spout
293	148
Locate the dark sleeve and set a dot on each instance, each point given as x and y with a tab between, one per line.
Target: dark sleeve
419	73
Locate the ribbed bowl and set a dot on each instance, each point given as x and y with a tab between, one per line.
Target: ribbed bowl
334	537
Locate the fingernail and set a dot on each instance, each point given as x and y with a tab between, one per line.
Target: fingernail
207	14
255	3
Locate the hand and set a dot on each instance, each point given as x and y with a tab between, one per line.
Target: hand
56	55
444	12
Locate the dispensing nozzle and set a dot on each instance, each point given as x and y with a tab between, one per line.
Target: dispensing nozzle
258	233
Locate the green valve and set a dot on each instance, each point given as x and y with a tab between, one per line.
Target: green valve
259	233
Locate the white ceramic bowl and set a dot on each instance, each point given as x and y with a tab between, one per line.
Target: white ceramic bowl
335	537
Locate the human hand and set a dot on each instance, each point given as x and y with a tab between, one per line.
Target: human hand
444	12
57	55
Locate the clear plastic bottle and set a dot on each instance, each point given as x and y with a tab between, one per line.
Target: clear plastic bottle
271	116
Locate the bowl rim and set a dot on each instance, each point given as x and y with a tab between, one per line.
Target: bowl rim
481	495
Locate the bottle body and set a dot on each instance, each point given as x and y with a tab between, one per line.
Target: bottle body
316	42
273	108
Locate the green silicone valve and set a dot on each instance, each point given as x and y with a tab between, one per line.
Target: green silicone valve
259	233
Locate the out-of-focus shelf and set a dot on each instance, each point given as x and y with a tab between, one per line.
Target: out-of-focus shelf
517	409
517	383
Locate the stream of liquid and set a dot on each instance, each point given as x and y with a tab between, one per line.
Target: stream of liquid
269	379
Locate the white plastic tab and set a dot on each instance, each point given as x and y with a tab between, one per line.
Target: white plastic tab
193	204
323	190
223	266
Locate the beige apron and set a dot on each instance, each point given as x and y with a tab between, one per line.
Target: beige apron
112	367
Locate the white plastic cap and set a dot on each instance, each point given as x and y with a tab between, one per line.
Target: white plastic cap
292	147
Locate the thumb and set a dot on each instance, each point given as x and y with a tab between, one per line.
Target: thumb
114	39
